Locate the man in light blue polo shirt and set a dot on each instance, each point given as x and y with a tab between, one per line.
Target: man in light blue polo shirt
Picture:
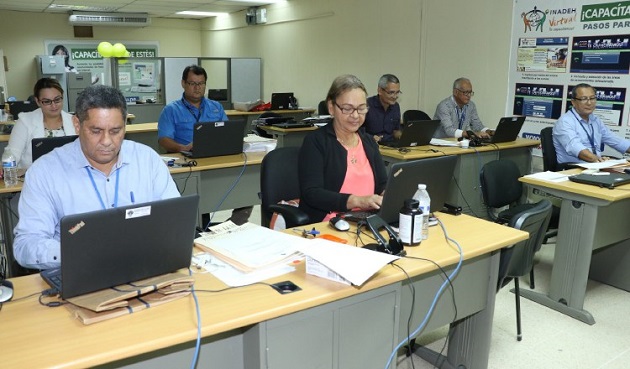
579	135
175	125
99	170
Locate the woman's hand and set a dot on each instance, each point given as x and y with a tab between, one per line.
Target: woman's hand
365	202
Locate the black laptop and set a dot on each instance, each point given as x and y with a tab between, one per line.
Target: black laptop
107	248
17	107
403	181
212	139
282	100
415	133
43	145
609	180
507	130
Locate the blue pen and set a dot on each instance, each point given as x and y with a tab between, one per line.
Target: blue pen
133	200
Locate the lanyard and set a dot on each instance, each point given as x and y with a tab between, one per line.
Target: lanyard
591	137
98	193
196	116
461	117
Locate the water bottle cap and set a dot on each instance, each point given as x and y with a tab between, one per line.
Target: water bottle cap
422	186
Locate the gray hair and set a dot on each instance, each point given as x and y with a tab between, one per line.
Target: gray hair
459	81
100	97
342	84
387	78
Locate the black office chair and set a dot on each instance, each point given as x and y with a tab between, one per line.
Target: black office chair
322	108
414	115
500	187
517	261
279	181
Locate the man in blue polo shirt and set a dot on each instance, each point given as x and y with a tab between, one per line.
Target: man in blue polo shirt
383	118
175	125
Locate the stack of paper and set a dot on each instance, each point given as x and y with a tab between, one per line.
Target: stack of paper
254	143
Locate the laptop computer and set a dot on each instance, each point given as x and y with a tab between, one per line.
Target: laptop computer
403	181
611	180
43	145
107	248
212	139
17	107
507	130
415	133
282	100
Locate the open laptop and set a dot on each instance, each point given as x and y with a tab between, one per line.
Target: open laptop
403	181
415	133
282	100
611	180
507	130
212	139
43	145
17	107
107	248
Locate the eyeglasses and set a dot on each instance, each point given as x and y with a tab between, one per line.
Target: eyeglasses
392	93
349	109
195	84
56	100
466	93
585	99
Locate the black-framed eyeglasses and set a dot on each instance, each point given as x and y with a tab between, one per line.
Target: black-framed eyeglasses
392	93
466	93
349	109
585	99
195	84
48	102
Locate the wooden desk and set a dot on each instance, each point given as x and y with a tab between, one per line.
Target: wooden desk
292	137
593	235
465	191
325	325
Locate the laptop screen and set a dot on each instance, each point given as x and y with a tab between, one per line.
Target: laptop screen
44	145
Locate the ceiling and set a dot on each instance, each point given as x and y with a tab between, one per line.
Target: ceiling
155	8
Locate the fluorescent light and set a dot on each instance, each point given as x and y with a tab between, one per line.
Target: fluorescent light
81	7
202	14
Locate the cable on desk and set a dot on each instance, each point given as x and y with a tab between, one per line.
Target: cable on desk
193	365
238	178
435	298
181	192
412	288
464	197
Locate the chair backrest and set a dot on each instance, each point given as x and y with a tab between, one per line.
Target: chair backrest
499	183
534	221
278	179
414	115
550	162
322	108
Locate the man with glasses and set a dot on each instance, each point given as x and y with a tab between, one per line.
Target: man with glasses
175	125
458	114
383	118
579	135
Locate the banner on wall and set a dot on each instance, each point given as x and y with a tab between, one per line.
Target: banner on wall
83	56
555	46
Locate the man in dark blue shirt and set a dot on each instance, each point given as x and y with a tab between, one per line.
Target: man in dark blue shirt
383	118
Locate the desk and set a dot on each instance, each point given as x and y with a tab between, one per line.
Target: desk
325	325
593	234
292	137
465	191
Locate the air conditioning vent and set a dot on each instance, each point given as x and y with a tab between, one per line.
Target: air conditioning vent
109	19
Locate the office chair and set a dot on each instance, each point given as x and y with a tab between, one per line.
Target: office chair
500	187
517	261
322	108
414	115
279	181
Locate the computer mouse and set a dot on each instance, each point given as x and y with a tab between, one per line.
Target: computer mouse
6	290
339	224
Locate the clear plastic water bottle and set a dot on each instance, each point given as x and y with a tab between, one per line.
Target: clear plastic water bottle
9	168
425	206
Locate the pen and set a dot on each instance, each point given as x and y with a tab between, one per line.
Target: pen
133	200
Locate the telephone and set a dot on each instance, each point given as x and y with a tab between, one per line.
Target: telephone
393	247
475	141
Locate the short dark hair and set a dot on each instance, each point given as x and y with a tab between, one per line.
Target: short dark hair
100	97
342	84
581	85
195	69
387	78
46	83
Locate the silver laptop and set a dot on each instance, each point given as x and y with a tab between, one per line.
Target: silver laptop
212	139
107	248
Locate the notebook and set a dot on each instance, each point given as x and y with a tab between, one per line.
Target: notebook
507	130
17	107
403	181
106	248
212	139
43	145
415	133
282	100
611	180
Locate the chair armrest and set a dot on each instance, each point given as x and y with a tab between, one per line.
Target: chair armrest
293	216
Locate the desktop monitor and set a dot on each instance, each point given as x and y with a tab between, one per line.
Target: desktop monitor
218	94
